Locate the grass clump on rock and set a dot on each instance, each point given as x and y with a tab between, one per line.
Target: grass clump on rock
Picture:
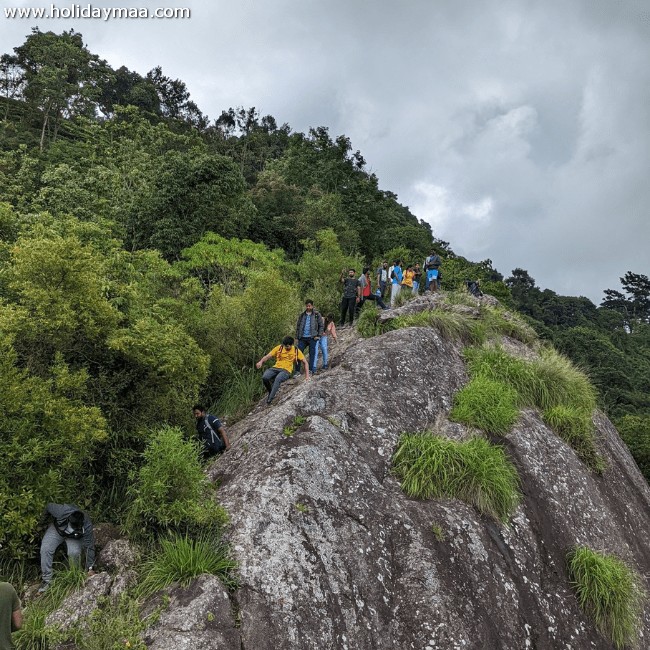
550	383
608	591
473	471
486	404
180	558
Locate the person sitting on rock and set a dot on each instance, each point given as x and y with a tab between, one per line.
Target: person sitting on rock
71	525
286	356
212	435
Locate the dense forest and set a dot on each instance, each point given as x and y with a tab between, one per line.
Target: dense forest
149	255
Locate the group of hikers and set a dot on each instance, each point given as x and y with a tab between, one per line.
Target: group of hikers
70	525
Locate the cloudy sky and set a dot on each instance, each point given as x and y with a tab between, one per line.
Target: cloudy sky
519	130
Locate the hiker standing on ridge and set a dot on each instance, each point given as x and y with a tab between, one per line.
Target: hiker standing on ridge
417	277
432	269
212	435
11	616
351	295
382	278
407	279
309	329
71	525
286	356
396	279
323	343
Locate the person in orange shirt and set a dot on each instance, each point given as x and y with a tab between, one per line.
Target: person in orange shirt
407	280
286	356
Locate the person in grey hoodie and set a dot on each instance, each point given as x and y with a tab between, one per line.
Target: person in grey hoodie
71	525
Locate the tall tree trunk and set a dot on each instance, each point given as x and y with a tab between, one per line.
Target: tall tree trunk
43	130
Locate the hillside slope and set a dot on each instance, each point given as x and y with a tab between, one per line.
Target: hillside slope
332	554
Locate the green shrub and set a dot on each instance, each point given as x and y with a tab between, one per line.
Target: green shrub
486	404
243	388
367	323
576	428
608	591
171	491
502	322
180	559
474	471
635	431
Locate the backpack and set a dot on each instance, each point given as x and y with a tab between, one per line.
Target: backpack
392	275
215	442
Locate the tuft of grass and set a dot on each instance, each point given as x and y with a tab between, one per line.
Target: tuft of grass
550	383
608	591
241	391
474	471
367	323
180	559
302	507
438	533
486	404
576	428
290	429
498	321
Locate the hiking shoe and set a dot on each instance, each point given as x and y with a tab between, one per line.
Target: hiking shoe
43	588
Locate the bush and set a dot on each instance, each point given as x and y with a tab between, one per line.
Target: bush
180	559
367	323
609	592
486	404
576	428
474	471
244	387
171	491
635	431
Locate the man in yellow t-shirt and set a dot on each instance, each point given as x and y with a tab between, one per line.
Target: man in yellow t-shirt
286	356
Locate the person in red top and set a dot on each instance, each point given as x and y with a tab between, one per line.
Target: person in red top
366	290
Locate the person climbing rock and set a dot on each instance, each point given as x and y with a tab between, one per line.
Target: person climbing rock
285	355
212	435
309	329
71	525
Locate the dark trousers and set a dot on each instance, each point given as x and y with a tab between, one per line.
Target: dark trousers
303	342
348	305
272	378
376	298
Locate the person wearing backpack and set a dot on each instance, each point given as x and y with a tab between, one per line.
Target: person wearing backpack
286	356
432	268
382	278
212	435
69	524
396	282
309	329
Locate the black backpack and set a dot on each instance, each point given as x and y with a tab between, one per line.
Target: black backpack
214	441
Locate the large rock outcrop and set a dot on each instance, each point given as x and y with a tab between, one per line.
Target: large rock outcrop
332	554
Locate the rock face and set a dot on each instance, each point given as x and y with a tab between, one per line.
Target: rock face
332	554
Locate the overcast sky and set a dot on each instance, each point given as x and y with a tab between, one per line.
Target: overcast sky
519	130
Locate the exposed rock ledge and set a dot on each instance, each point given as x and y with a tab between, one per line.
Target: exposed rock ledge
332	554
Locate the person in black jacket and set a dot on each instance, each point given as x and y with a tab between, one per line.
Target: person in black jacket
71	525
212	435
309	329
351	295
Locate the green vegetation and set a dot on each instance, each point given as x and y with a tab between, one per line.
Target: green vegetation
181	558
171	491
486	404
635	430
438	533
609	592
474	471
548	382
302	508
296	423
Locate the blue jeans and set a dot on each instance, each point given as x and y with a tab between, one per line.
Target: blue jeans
416	286
272	378
303	342
322	345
